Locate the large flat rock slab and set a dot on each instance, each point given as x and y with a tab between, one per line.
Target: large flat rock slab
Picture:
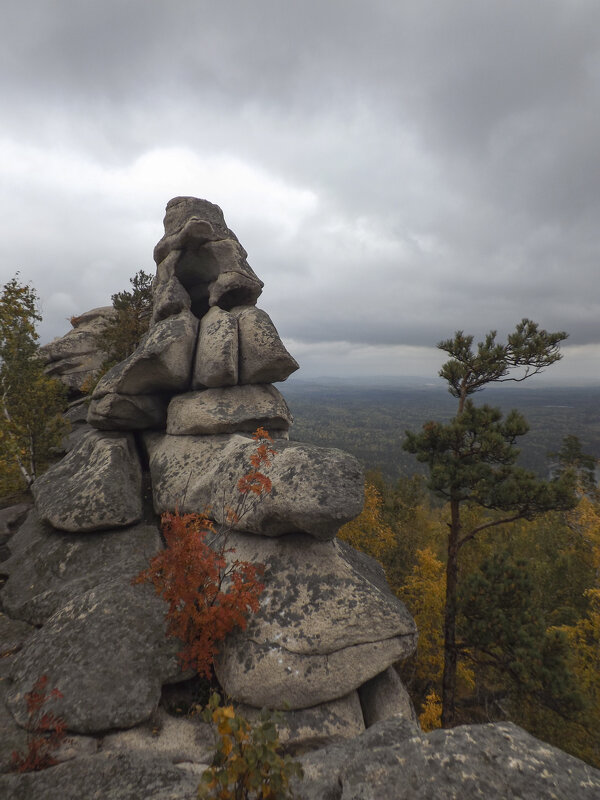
473	762
325	624
316	490
48	568
96	486
227	410
105	776
107	652
127	412
470	762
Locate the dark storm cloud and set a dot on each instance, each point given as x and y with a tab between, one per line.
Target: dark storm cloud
404	169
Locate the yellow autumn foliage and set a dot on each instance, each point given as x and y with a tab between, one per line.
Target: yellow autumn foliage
430	717
368	532
585	519
424	593
584	637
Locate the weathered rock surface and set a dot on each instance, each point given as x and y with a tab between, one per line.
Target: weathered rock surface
168	295
76	416
324	768
162	363
202	220
473	762
105	776
236	282
75	357
216	362
48	568
316	490
126	412
164	736
13	633
310	728
227	410
385	696
322	630
205	258
96	486
12	736
107	652
179	466
11	518
324	643
263	357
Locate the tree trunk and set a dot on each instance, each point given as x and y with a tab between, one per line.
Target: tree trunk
450	652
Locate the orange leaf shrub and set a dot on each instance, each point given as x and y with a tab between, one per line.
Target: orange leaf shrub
208	598
45	731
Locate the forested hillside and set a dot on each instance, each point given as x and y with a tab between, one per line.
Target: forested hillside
528	610
369	421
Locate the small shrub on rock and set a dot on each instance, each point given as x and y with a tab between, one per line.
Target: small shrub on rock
45	731
207	596
248	764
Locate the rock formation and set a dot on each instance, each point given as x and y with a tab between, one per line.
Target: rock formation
169	428
180	411
75	358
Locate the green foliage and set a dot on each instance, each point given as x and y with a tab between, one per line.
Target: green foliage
571	457
248	764
30	402
472	459
121	337
505	633
528	348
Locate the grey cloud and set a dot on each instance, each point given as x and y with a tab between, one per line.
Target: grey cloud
462	137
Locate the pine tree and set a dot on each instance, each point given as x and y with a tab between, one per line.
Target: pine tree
122	336
472	459
571	457
506	633
30	402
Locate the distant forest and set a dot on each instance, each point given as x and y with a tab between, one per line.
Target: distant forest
370	421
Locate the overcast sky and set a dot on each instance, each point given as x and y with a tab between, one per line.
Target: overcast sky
396	169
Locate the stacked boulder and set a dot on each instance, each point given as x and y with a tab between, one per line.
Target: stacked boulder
170	428
173	423
75	358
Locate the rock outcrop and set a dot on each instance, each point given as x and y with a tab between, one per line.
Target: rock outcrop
180	410
496	761
170	429
75	357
